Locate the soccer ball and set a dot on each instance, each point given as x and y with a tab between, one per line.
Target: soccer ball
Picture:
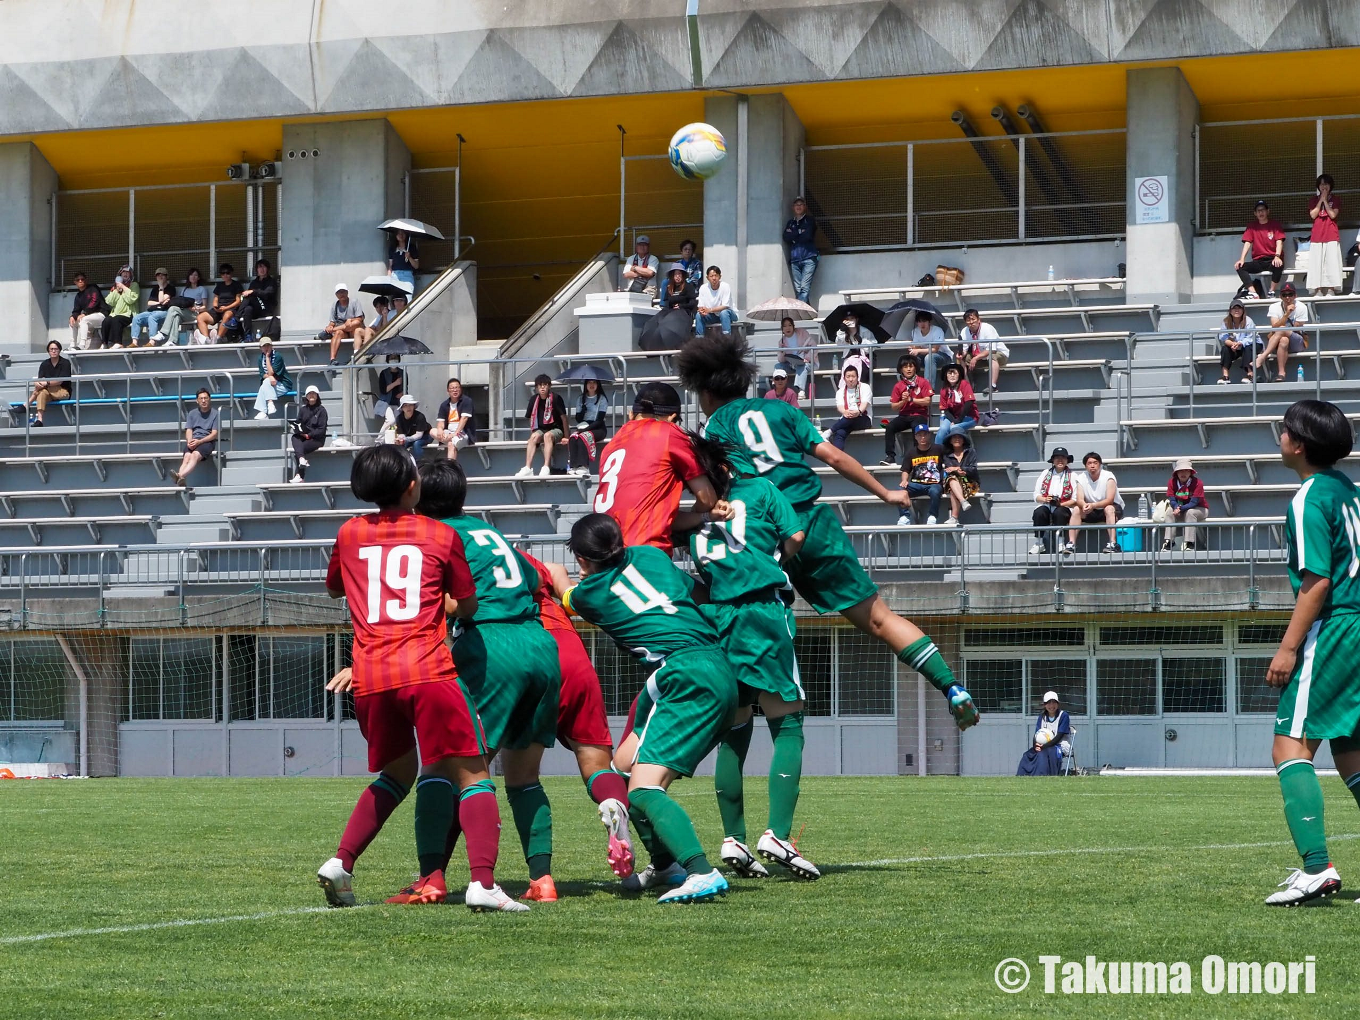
1043	737
696	151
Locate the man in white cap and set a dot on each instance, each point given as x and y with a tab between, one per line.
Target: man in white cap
309	431
780	388
1053	726
346	317
641	269
274	380
413	430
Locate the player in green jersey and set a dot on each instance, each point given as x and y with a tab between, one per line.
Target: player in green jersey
638	597
770	438
1318	662
508	662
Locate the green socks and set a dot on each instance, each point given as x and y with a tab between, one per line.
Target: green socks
727	779
435	798
533	820
1303	812
786	769
922	656
672	827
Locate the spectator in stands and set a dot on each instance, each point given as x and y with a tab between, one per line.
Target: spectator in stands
693	265
587	435
922	475
678	292
854	402
54	381
403	258
859	341
910	398
201	427
309	431
1262	252
958	406
453	427
87	312
797	354
1239	340
258	301
346	319
962	478
122	303
1187	505
981	343
641	269
412	428
799	234
1324	248
157	310
219	319
715	304
391	386
399	303
1285	314
1056	493
780	388
1098	499
382	315
275	381
546	415
187	305
927	345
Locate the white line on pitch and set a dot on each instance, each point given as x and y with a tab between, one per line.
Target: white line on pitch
186	922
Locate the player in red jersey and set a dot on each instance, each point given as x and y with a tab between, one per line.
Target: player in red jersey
581	721
401	574
646	466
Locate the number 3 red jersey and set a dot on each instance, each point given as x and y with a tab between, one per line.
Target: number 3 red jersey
642	477
395	568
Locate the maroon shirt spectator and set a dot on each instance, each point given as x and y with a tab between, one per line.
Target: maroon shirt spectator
781	390
1262	252
911	400
1324	250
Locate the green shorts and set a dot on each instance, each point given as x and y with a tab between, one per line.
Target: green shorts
685	708
758	640
826	570
513	672
1322	698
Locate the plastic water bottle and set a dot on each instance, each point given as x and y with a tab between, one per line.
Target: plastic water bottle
1144	507
1050	272
257	336
1299	374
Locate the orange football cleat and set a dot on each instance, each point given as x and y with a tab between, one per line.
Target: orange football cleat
426	889
541	889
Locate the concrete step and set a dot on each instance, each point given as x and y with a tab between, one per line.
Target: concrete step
193	528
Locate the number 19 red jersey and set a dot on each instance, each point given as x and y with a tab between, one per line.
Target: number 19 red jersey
395	568
642	476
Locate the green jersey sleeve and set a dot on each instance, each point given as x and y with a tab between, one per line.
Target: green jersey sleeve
503	577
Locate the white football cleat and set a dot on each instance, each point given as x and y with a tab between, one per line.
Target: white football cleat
614	815
480	899
783	852
737	856
649	878
697	889
336	883
1300	888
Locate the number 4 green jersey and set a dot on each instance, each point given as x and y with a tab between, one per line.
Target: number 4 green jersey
503	577
1323	534
645	603
742	556
770	439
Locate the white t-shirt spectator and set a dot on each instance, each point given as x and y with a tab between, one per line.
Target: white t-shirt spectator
1299	317
854	398
1093	490
907	333
987	339
651	262
720	298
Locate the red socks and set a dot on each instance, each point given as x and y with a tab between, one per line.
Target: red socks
480	818
375	806
606	785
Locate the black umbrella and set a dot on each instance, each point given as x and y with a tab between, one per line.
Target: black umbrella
667	330
906	310
870	318
397	345
584	372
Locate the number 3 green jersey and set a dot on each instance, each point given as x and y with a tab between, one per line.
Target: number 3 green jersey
770	439
503	577
1323	534
742	556
645	603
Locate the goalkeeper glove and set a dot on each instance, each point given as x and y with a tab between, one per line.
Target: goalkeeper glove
961	706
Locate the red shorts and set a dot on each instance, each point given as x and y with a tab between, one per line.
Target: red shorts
438	716
580	707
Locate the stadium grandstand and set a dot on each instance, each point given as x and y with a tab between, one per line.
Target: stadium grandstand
1079	174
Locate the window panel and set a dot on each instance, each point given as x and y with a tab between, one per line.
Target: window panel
1194	685
1253	693
144	669
40	678
867	673
1065	677
812	645
995	684
1126	686
293	677
188	678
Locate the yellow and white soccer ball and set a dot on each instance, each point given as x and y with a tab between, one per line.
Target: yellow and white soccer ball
1043	737
696	151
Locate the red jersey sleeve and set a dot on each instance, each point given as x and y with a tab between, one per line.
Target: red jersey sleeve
683	460
335	577
457	575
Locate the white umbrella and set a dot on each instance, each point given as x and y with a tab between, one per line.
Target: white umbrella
412	227
780	308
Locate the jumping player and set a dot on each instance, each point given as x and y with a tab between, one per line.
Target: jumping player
582	724
1319	657
769	438
639	598
508	662
400	573
739	561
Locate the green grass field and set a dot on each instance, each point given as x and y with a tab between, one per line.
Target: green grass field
928	885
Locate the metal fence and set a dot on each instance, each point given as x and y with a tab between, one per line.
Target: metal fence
992	189
1239	162
434	195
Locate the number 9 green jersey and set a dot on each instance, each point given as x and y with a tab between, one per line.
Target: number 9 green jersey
769	439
